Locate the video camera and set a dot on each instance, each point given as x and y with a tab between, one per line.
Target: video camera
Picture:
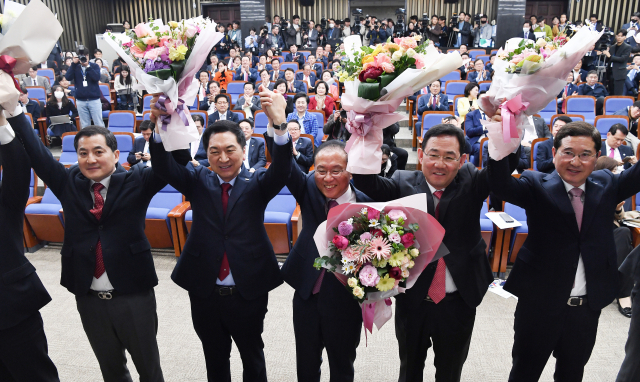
453	20
398	29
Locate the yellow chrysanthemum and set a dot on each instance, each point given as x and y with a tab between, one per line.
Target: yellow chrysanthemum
396	258
392	47
173	24
177	54
386	283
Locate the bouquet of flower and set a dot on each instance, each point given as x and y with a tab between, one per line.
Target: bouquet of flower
164	59
377	254
527	76
376	81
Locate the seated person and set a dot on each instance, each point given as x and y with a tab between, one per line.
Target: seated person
469	102
127	97
294	56
264	80
327	77
262	64
59	104
389	163
208	103
541	130
248	102
193	149
223	76
222	111
139	155
544	154
455	121
579	74
593	88
281	86
633	77
275	73
316	67
633	113
480	74
307	76
308	122
569	89
105	77
293	85
322	101
64	82
613	147
467	65
523	161
33	79
335	128
475	131
28	105
434	101
245	72
254	155
389	138
590	58
203	76
302	147
489	65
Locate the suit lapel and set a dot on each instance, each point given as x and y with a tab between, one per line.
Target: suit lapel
83	188
115	184
449	193
558	193
216	192
238	188
423	188
593	194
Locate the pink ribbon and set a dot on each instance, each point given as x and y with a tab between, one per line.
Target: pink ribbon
165	104
359	124
509	111
368	316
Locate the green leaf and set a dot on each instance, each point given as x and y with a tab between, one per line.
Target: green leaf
522	42
369	91
177	69
385	79
411	61
163	74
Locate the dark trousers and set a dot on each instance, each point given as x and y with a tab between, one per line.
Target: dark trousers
219	319
599	104
447	326
23	353
622	238
332	320
630	369
402	155
569	334
126	322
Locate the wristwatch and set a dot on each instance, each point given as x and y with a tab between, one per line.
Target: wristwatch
283	126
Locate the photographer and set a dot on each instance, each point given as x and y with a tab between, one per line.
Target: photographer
482	33
434	30
336	128
251	42
274	40
322	39
312	36
263	43
444	36
618	55
373	35
235	34
294	32
221	49
86	77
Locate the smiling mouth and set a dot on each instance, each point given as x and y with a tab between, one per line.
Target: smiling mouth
330	186
223	168
439	173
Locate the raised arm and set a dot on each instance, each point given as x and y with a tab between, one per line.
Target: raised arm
167	169
378	188
506	187
16	167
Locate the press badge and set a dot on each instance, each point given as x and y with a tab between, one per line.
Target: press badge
85	84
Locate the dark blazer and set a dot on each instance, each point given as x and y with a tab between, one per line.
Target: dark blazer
544	157
542	130
625	151
473	126
530	35
138	146
305	149
257	157
252	262
21	292
317	68
443	105
280	74
460	204
465	32
583	75
255	104
253	75
312	78
298	86
215	116
572	88
34	109
545	269
619	58
299	58
473	76
597	91
125	249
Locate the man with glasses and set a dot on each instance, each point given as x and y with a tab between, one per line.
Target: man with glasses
566	271
440	308
222	113
302	146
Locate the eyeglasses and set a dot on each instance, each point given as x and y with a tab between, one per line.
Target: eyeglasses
447	159
584	157
334	173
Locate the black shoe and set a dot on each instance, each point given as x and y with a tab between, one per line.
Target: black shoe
624	311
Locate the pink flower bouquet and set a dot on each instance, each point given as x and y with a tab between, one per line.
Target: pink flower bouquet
378	250
376	81
527	76
164	59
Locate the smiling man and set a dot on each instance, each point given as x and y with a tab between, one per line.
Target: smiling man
440	308
566	271
106	257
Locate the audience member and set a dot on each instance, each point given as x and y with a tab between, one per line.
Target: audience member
105	77
140	155
86	77
332	83
570	89
475	131
541	130
595	89
223	76
57	105
389	163
544	155
246	73
322	101
281	86
307	76
633	77
480	74
613	147
542	27
248	102
336	128
193	146
127	97
293	85
308	122
209	102
388	138
302	146
254	154
294	56
433	99
33	79
222	111
62	81
469	102
28	105
633	113
579	74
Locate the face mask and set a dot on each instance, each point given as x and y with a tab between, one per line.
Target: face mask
58	95
525	30
332	25
483	22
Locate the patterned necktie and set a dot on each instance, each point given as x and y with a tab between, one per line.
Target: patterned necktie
433	102
245	76
224	267
316	287
438	288
97	212
611	152
576	203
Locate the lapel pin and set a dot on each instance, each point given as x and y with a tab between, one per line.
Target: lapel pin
246	179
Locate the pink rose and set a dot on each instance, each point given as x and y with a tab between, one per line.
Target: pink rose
372	213
420	60
396	214
136	51
388	67
407	240
340	242
154	53
369	276
395	273
151	40
165	41
351	254
517	58
408	42
366	237
142	30
395	237
191	31
381	58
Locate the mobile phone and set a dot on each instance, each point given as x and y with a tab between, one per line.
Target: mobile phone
626	159
506	217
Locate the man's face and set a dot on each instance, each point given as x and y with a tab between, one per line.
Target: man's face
620	38
276	20
95	159
263	60
319	52
556	126
248	91
24	98
301	105
288	75
214	61
246	129
592	79
146	134
578	65
199	127
232	53
435	87
32	73
614	141
294	130
327	49
636	60
463	49
264	76
329	161
222	105
483	20
593	20
634	111
204	77
275	64
541	22
440	172
296	21
312	59
570	77
97	55
311	25
293	49
275	31
467	18
306	70
245	62
385	158
225	155
572	170
479	66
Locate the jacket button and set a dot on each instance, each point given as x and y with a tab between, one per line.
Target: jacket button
226	237
100	227
90	249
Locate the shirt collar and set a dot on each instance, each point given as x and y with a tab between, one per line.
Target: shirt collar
231	182
569	187
348	197
433	189
105	182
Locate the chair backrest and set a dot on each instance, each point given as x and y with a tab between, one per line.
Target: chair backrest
581	105
615	103
291	65
515	212
454	87
168	197
260	120
473	53
309	137
453	76
234	89
455	103
280	58
604	122
200	113
146	102
37	92
49	198
196	103
574	117
484	85
534	152
319	117
549	111
146	115
282	203
49	73
240	113
68	154
106	92
432	118
122	121
29	117
125	145
305	53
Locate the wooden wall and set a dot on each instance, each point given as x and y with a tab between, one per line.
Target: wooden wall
337	9
613	13
137	11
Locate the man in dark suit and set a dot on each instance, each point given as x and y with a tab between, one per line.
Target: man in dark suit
629	370
434	101
593	88
320	57
254	157
106	257
527	33
228	283
613	147
480	73
633	77
462	30
23	344
307	76
302	146
544	155
294	56
140	156
222	111
566	271
455	192
569	89
245	72
316	67
275	73
248	102
618	55
633	113
475	131
293	85
32	107
579	74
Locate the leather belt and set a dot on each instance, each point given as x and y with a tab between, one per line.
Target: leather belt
225	290
103	295
577	301
448	297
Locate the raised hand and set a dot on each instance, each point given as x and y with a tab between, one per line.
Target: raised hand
274	105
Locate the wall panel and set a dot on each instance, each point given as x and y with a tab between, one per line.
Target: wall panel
337	9
440	8
613	13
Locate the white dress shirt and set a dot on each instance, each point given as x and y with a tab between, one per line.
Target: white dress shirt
530	136
223	116
580	282
145	150
450	285
102	283
194	146
616	155
247	147
348	197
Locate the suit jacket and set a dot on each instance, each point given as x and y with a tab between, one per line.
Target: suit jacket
572	88
545	270
460	204
465	33
34	109
583	75
21	292
312	78
255	105
597	91
125	248
215	116
299	58
201	154
280	75
530	35
298	86
138	147
252	75
473	127
40	80
443	105
252	262
625	151
257	157
473	76
542	130
619	58
304	160
317	68
544	157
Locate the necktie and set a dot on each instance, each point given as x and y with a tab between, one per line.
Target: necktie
33	81
97	212
611	152
438	288
291	87
576	203
316	287
433	102
526	35
224	267
564	102
275	75
245	76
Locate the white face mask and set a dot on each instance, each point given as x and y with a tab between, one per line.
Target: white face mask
525	30
332	25
58	95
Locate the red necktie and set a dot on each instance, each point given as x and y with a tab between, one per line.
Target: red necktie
433	102
224	267
97	212
316	287
438	289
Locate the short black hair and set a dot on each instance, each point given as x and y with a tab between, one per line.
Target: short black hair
249	83
636	104
212	82
290	70
278	82
385	149
97	51
591	72
526	22
221	126
623	31
444	129
563	118
578	129
594	16
264	70
469	87
197	117
90	131
220	96
295	17
300	95
146	125
250	122
274	59
333	144
296	122
326	87
618	127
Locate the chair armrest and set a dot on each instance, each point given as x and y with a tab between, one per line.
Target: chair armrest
295	218
42	127
180	210
34	200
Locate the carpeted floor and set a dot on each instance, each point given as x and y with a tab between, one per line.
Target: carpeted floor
182	357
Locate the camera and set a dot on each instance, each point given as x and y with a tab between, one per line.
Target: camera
82	53
343	114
